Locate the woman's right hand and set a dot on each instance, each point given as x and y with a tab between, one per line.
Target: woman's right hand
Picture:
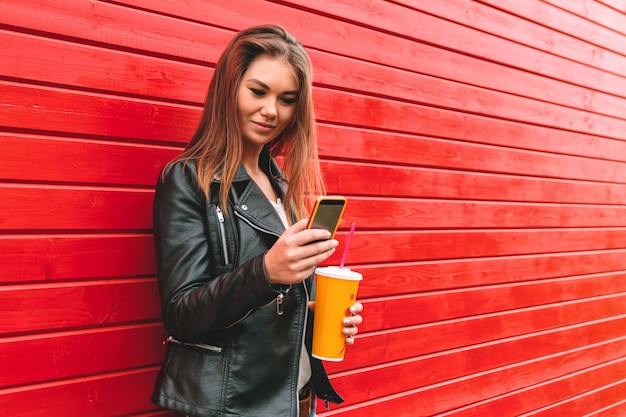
296	253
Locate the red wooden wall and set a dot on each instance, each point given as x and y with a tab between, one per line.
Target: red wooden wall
482	145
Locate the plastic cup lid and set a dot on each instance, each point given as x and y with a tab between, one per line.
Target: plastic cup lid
342	273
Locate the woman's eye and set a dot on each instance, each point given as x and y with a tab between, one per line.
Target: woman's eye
288	100
257	92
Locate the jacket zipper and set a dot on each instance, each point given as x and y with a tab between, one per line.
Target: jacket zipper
222	233
204	346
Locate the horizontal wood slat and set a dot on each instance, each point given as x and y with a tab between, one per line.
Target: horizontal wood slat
405	278
101	69
56	110
65	257
106	395
393	214
55	356
59	208
601	397
380	180
47	307
384	346
614	410
397	312
595	12
486	156
618	5
50	159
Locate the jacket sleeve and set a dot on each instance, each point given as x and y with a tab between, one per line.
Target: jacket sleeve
195	303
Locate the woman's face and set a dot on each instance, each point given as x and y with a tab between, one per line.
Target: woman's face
266	100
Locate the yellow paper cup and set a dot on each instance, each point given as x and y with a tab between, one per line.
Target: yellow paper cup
335	292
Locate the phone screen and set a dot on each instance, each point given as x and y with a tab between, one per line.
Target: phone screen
328	214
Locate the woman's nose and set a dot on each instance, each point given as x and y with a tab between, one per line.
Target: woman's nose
269	108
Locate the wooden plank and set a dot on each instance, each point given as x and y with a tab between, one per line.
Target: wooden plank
382	346
50	159
382	280
106	395
515	153
586	402
73	208
345	108
55	356
62	63
409	246
25	258
619	5
525	400
386	313
594	11
379	180
397	214
616	410
457	392
64	306
443	124
58	110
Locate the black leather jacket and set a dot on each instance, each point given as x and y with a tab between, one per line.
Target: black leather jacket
235	340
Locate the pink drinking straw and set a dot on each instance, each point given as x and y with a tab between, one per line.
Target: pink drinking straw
345	250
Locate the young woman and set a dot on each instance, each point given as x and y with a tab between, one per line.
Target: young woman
234	256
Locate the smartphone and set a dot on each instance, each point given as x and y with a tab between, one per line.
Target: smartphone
327	213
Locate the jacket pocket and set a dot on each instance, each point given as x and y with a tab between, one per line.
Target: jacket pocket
191	378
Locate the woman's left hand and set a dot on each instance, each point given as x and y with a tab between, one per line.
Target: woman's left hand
350	322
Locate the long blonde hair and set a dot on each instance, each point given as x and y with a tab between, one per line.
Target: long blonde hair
217	143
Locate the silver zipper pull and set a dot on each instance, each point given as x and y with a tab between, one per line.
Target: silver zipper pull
279	304
220	215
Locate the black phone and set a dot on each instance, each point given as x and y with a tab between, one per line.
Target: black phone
327	213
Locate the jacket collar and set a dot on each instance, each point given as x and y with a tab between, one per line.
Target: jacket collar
251	203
